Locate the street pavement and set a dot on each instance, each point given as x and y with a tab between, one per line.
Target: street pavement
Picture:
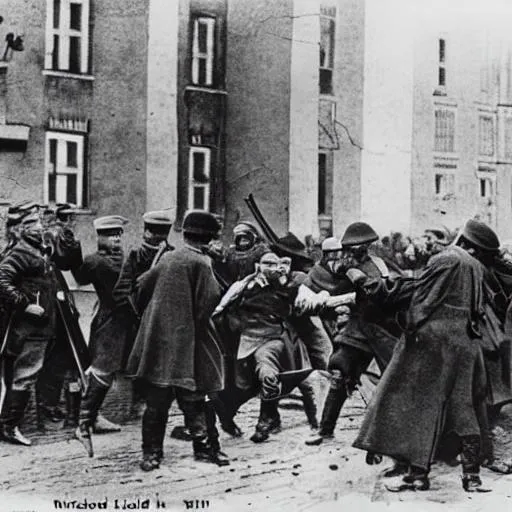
280	474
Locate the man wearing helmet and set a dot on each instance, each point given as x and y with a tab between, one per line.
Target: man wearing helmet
173	353
241	257
436	379
369	333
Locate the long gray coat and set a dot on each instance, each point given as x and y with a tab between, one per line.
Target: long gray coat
436	378
172	347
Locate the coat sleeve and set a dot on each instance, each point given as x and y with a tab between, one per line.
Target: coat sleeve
83	274
15	265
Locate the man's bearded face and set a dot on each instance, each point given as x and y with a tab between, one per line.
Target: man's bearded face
244	241
333	260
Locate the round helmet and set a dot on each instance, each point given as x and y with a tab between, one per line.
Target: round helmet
358	233
331	244
481	235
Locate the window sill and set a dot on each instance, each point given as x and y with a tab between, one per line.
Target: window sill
210	90
83	212
66	74
439	156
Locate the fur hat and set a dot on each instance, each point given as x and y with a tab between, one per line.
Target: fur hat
199	222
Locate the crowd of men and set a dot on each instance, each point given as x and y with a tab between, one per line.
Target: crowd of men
213	328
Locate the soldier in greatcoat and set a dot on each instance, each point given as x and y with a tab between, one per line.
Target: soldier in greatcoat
436	380
173	353
102	270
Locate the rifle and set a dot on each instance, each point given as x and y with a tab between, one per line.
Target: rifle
265	227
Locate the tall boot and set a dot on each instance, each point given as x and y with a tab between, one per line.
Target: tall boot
269	421
154	422
13	410
471	457
91	404
220	458
309	403
332	407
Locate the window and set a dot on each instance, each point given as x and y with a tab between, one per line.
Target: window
486	136
67	36
65	168
199	178
203	50
327	35
486	187
444	184
444	138
441	70
508	138
325	179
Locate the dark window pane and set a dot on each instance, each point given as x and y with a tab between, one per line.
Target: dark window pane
56	13
325	81
482	188
202	36
74	54
442	49
198	166
55	54
72	154
199	197
71	195
438	179
201	76
75	16
53	151
442	76
326	42
322	185
52	182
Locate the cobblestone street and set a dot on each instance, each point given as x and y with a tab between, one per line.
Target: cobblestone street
281	474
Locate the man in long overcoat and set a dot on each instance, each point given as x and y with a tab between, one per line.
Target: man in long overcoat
436	379
173	353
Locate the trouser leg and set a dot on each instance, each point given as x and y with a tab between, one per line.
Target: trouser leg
154	423
309	402
200	423
346	366
471	456
267	367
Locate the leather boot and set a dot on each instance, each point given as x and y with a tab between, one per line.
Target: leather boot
154	422
269	421
415	480
471	458
91	404
309	403
13	410
218	456
332	407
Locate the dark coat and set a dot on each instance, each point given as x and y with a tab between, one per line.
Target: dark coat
172	347
436	377
108	326
139	261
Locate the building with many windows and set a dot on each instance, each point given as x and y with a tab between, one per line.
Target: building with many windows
328	111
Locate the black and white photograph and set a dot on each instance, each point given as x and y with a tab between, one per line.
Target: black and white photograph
255	255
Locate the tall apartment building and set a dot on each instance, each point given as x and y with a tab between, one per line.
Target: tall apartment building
329	111
436	116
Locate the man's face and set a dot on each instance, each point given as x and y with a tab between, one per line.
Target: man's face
110	241
355	254
334	261
243	242
271	267
152	238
